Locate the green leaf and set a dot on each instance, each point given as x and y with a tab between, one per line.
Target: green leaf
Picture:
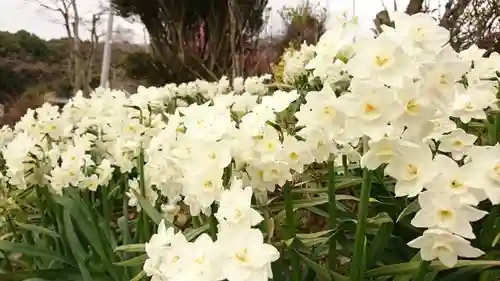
153	214
495	241
408	277
325	273
76	246
314	235
139	276
139	260
38	229
379	243
193	233
301	203
32	251
380	218
131	248
47	274
413	207
411	267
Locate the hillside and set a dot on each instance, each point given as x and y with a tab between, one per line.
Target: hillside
29	64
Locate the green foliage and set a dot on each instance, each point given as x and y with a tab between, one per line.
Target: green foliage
193	39
24	45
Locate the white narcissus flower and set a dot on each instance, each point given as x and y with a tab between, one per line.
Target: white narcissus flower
150	194
470	103
243	254
418	34
198	261
321	110
457	142
203	184
446	212
280	100
295	153
163	249
367	113
484	171
383	151
320	143
442	245
384	62
412	169
235	208
452	180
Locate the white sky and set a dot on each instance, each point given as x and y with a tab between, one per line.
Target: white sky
27	14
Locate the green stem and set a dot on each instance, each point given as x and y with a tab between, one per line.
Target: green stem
345	165
291	230
332	215
142	185
213	223
423	269
357	268
488	233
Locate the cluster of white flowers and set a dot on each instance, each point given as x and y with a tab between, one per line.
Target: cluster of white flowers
403	92
238	254
83	143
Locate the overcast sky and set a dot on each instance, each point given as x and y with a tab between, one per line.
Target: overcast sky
27	14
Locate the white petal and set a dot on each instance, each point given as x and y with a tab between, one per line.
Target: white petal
467	251
423	218
449	259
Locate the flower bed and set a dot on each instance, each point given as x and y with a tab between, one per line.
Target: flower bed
233	176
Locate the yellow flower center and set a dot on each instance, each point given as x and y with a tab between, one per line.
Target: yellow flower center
242	256
412	106
369	107
445	214
456	184
458	143
381	61
443	80
328	110
293	156
208	184
497	169
412	170
469	106
270	146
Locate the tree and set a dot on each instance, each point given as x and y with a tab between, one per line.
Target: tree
80	66
303	23
469	22
197	38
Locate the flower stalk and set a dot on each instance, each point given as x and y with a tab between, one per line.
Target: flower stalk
332	215
422	271
291	229
357	268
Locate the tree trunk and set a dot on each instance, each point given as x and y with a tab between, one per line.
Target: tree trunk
414	6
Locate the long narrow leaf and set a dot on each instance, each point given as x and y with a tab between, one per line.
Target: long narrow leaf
139	248
325	273
32	251
139	260
192	234
153	214
76	247
38	229
411	267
